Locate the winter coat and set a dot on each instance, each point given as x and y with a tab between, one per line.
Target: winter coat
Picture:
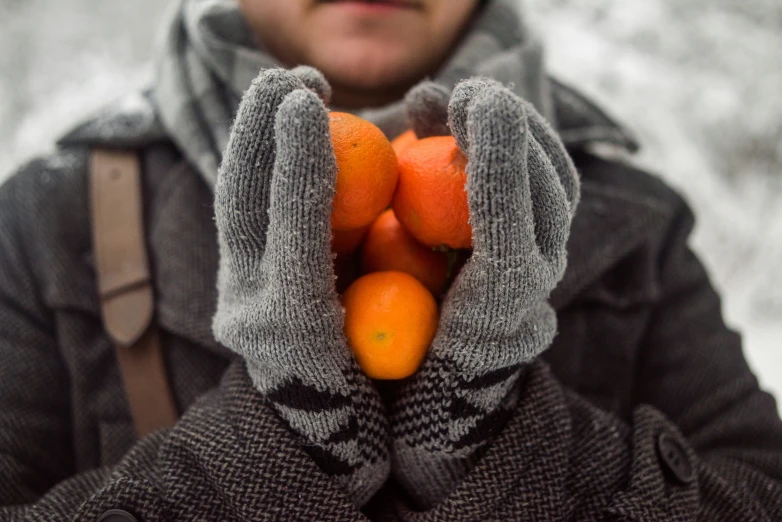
643	408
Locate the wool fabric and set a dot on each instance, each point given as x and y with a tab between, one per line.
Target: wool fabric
277	304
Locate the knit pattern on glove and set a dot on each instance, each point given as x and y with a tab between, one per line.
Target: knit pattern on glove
277	305
522	189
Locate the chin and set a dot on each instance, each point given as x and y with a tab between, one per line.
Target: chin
369	65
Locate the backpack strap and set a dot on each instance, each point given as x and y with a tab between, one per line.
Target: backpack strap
125	287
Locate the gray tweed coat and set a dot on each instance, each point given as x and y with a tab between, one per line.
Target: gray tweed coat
643	409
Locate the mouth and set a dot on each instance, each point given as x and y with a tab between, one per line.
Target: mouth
400	4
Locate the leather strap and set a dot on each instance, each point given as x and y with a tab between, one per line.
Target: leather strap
125	289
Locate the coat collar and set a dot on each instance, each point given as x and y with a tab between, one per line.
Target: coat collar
134	122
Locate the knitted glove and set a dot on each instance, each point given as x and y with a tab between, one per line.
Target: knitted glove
522	188
277	304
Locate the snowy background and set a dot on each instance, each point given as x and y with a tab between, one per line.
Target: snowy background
699	81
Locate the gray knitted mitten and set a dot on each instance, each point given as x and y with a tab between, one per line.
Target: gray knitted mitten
522	188
277	304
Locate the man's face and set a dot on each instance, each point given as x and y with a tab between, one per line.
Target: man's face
363	47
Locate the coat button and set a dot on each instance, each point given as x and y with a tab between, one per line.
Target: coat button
675	459
117	515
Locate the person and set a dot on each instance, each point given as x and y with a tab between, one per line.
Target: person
581	370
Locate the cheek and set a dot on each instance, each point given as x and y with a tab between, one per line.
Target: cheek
448	17
278	23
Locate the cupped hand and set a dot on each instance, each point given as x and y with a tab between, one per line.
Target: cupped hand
277	303
522	190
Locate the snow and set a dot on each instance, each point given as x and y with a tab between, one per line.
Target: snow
62	59
699	81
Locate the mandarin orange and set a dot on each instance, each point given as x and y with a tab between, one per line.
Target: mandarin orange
345	242
404	140
367	171
431	199
390	321
388	246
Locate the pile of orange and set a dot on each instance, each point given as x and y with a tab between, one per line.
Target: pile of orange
399	219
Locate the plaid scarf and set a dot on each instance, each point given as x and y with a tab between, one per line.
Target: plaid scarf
210	57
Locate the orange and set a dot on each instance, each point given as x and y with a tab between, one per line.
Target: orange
367	171
389	246
404	140
431	199
390	321
345	242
